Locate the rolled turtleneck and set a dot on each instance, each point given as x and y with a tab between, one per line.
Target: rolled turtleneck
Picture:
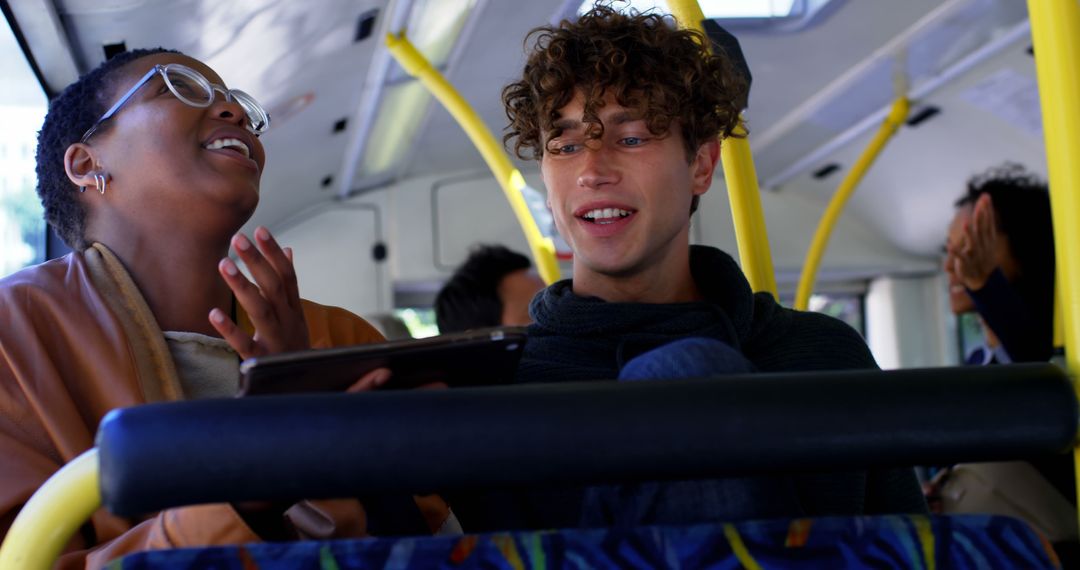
586	338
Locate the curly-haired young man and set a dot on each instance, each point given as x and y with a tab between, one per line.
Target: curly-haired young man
624	114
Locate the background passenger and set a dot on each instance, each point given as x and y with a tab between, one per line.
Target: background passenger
624	114
148	308
1000	263
492	288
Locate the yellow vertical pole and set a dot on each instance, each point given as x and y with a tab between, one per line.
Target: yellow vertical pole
740	177
1055	32
747	214
509	178
1059	318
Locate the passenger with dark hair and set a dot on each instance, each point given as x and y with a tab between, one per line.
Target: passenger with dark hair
148	167
624	114
999	258
493	287
1000	262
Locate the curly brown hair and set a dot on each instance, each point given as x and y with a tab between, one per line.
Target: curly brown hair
651	67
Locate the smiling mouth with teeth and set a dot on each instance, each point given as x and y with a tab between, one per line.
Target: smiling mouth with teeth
605	215
229	143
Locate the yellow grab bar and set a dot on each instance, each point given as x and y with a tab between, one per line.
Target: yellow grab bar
1055	33
1054	28
746	213
832	213
740	176
1059	317
509	178
53	514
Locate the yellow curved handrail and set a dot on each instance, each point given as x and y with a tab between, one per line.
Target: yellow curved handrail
509	178
53	514
892	122
740	177
1055	33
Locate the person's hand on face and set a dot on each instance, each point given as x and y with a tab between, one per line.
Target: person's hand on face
974	257
272	302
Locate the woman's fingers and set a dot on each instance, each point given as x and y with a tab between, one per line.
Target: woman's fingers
281	263
240	341
247	294
272	302
966	245
380	376
976	251
278	303
962	268
266	277
372	380
985	223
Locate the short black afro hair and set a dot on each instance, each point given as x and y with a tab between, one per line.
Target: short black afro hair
71	113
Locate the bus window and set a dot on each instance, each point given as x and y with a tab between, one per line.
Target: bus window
847	307
22	109
969	334
420	320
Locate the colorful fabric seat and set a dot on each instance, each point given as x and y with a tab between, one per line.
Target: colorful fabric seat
931	543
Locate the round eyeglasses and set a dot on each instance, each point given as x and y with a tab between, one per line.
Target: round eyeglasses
192	88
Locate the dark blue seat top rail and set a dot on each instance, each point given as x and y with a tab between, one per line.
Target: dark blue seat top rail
286	447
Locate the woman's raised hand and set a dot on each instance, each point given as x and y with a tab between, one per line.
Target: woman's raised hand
975	258
272	302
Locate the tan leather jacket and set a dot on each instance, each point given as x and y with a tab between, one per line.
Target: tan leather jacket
77	339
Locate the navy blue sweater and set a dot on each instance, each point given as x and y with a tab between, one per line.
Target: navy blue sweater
585	338
576	338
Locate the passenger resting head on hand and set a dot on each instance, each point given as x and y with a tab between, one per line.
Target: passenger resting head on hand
1001	222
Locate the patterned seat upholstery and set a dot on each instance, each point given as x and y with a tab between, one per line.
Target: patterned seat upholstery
953	542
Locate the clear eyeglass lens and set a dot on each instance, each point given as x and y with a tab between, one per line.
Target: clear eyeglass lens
188	86
256	115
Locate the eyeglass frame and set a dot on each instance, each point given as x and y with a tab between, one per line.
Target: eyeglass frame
163	71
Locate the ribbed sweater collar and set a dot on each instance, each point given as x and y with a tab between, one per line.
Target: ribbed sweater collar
728	303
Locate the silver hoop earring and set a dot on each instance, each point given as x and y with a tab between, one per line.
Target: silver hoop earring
101	183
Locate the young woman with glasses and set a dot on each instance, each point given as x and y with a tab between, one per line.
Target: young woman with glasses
148	167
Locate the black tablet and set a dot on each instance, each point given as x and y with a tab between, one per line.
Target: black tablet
473	358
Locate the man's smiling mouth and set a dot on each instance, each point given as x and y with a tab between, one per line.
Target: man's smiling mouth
606	215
